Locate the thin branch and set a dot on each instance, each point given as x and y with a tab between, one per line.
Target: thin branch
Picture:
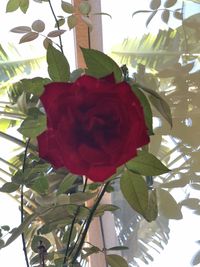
22	205
103	239
72	227
57	24
89	219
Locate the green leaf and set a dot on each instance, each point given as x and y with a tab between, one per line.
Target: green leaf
168	205
12	5
5	228
40	185
159	103
66	184
60	22
90	250
183	181
84	8
67	233
67	7
146	108
72	21
19	230
36	242
9	187
100	65
35	86
146	164
24	5
58	66
135	191
18	178
152	210
105	207
81	197
116	261
2	243
76	74
190	203
34	124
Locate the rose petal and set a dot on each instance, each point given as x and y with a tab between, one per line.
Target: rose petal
49	149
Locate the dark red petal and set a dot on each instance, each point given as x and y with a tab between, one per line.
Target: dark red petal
109	78
48	148
100	173
52	98
93	155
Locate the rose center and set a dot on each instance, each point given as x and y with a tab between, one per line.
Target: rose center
96	130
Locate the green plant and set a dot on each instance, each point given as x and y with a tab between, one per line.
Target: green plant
54	216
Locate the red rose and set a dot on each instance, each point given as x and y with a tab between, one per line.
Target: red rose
94	126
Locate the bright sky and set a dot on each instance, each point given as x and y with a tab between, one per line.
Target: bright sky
184	233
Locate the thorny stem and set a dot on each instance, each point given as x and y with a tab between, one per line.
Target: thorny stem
87	224
57	24
22	204
72	226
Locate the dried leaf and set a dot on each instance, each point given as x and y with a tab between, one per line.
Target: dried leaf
55	33
30	36
47	42
21	29
151	17
141	11
169	3
155	4
38	26
165	16
178	15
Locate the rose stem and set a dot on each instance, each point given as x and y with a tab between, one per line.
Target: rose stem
72	226
57	24
22	203
90	217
